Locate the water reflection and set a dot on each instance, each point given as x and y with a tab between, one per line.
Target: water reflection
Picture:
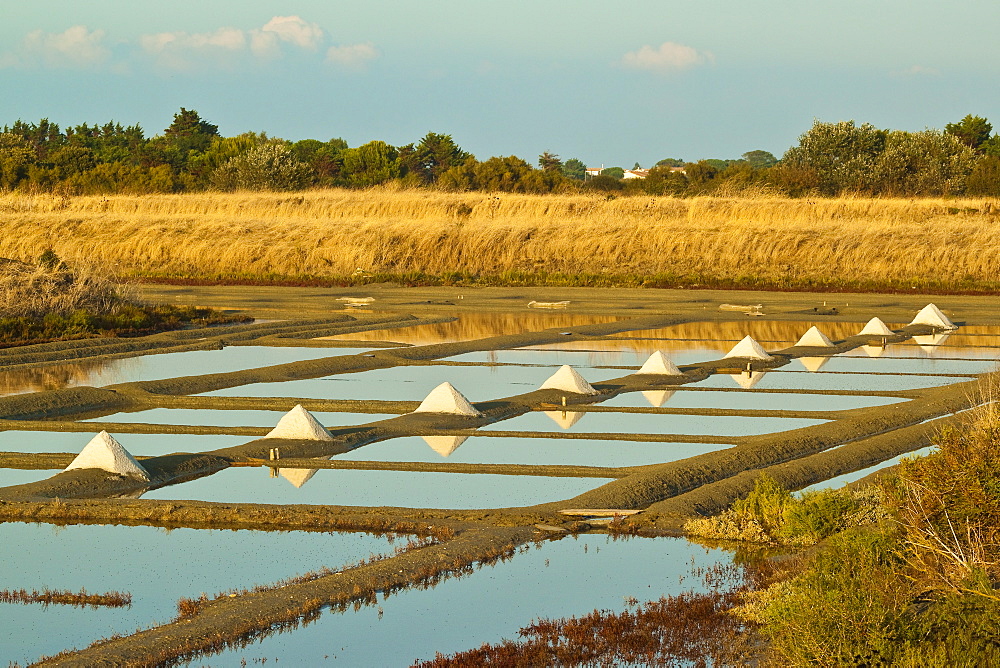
157	367
782	380
137	444
758	401
470	326
444	445
787	332
569	577
535	451
564	419
747	379
156	566
657	398
652	423
232	418
841	480
408	489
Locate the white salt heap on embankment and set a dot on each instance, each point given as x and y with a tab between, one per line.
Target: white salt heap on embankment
300	424
566	379
748	349
876	327
932	315
814	338
446	399
105	453
659	365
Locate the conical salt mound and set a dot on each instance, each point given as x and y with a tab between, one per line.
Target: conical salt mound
444	445
567	379
932	315
876	327
299	423
749	349
815	339
657	398
104	452
446	399
813	363
747	380
659	365
565	419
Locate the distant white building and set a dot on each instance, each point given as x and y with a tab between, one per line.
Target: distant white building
636	173
594	171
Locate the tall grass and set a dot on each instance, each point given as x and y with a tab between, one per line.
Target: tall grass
847	242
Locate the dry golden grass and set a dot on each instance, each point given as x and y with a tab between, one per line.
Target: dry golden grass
332	233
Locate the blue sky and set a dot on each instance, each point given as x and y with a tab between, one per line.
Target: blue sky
610	83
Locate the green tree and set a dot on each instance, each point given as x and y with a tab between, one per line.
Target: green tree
662	180
70	160
189	132
760	159
501	174
926	163
971	130
842	155
550	162
700	175
370	164
603	183
16	155
460	178
431	157
574	169
268	166
991	146
670	162
613	172
984	180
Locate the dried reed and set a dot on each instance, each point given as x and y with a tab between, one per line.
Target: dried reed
82	598
571	238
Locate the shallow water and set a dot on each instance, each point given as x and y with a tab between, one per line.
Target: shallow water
155	565
407	489
477	326
841	480
156	367
866	364
515	450
781	333
569	577
756	401
10	477
781	380
591	354
409	383
912	349
234	418
650	423
137	444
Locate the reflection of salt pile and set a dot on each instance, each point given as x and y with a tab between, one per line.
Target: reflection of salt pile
444	445
876	327
932	315
813	363
566	379
929	342
446	399
748	349
658	365
873	351
747	380
104	452
814	338
299	423
299	477
657	398
565	419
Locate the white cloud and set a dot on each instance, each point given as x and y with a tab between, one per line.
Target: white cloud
669	57
181	50
353	56
293	29
76	47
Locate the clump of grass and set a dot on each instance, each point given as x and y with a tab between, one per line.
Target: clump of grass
82	598
771	514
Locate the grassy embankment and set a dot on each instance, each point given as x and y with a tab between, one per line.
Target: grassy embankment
343	237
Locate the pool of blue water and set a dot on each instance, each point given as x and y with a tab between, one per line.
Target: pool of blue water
409	489
234	418
569	577
756	401
651	423
519	450
155	566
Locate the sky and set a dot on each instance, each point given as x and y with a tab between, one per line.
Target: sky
607	83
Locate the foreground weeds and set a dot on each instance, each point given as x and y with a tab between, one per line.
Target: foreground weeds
917	586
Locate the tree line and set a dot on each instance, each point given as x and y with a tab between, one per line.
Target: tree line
190	155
